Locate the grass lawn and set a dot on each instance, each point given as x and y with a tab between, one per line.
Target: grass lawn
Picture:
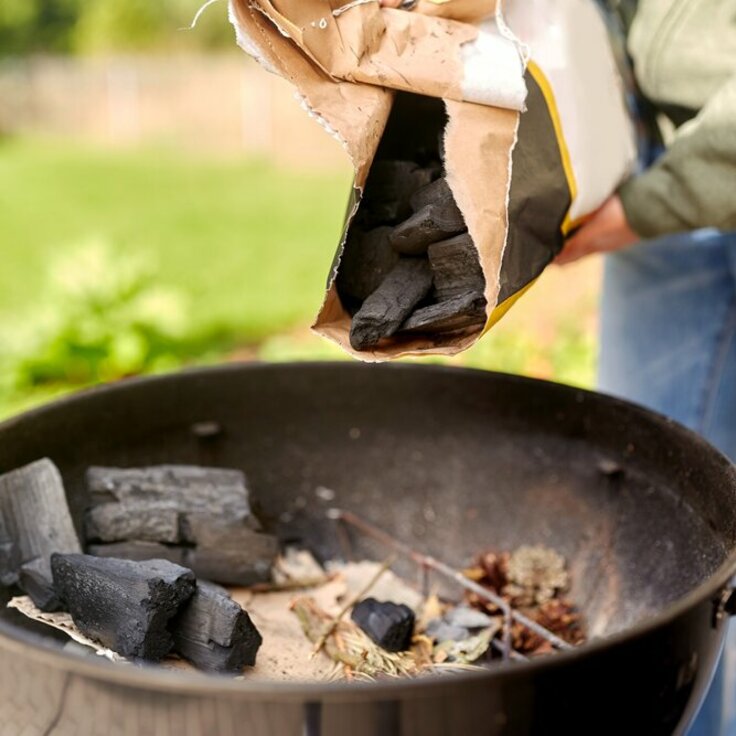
250	245
246	244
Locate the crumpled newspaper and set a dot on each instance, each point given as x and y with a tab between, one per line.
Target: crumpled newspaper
63	622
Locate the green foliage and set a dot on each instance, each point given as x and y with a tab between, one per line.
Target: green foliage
102	317
37	25
109	26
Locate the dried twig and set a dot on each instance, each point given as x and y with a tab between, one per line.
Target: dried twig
456	575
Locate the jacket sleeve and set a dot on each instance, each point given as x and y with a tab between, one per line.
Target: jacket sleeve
693	184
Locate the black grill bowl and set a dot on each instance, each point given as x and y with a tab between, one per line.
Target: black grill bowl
450	461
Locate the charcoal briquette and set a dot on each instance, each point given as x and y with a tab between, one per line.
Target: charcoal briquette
34	523
456	267
387	308
390	625
124	605
214	633
460	312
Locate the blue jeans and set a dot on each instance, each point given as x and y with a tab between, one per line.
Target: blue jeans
669	342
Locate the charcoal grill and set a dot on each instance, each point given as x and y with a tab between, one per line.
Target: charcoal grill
448	461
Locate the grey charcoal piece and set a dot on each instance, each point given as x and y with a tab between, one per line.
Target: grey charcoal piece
214	633
366	261
124	605
436	192
468	618
440	631
384	311
456	267
232	555
453	314
36	580
428	225
147	504
34	522
389	188
139	551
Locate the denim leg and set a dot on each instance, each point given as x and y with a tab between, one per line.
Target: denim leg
669	343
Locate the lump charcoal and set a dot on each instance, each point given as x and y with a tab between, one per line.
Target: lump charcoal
449	315
124	605
36	580
388	189
387	308
152	522
389	625
139	551
214	633
232	555
34	522
147	504
428	225
456	267
366	261
436	192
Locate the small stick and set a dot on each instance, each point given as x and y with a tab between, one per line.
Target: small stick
430	562
385	565
507	648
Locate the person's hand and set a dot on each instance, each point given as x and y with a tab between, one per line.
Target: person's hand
391	3
606	230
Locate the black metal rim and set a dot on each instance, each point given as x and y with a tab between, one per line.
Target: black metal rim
22	643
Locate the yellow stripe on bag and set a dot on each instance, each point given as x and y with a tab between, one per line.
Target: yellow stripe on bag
567	224
499	312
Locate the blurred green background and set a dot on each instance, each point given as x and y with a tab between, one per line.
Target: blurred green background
164	202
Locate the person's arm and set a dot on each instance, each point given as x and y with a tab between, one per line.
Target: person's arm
693	184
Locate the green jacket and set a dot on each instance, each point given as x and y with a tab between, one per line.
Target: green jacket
684	55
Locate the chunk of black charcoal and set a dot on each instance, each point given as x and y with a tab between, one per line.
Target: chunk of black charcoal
139	551
366	261
436	192
34	522
214	633
460	312
388	189
147	504
232	556
229	554
37	581
432	223
384	311
456	267
124	605
389	625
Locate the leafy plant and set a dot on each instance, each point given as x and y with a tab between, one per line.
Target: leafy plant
102	316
